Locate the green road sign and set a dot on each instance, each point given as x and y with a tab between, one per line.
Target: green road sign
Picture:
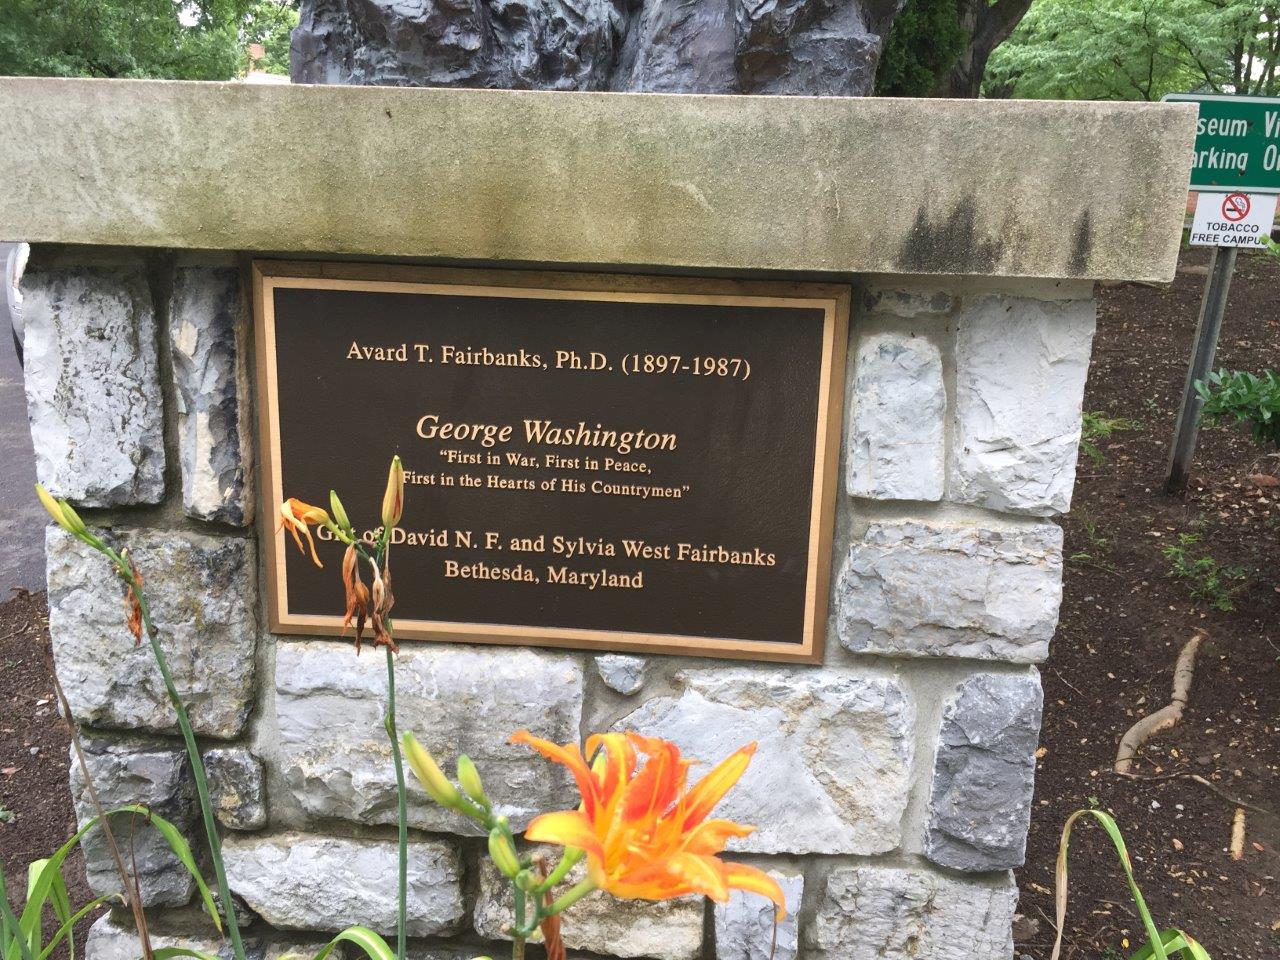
1237	143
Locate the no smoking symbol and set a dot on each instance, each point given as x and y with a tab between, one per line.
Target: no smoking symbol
1236	207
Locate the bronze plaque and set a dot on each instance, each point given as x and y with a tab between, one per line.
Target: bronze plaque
604	462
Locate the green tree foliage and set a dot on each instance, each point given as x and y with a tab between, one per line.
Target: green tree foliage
923	46
196	40
1139	49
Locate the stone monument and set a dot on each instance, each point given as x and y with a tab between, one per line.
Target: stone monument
894	778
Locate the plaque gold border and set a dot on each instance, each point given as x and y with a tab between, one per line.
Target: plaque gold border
833	299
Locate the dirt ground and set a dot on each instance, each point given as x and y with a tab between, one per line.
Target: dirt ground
36	816
1124	618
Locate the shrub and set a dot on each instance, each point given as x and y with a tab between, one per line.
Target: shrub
1235	396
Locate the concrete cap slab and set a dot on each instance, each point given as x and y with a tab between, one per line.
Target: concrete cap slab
840	185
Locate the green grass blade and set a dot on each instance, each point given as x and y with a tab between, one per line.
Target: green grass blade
168	953
69	924
1060	894
182	850
374	947
60	900
15	944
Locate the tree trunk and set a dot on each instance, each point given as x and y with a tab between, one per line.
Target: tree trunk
988	25
821	47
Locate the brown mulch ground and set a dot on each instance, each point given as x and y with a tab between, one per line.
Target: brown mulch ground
1123	621
36	816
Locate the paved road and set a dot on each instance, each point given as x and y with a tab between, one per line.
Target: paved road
21	518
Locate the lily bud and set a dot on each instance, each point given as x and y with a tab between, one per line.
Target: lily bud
429	773
53	507
393	499
469	777
339	514
503	854
74	523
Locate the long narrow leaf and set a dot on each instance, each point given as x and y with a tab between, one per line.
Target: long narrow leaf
15	943
374	947
71	921
40	889
60	901
168	953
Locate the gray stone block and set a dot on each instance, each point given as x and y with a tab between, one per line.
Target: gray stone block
309	882
984	774
1020	371
907	304
621	673
599	923
334	759
744	926
915	589
93	391
206	320
155	775
237	788
803	792
201	590
897	421
888	913
109	939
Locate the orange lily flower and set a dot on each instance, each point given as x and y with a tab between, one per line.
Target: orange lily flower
297	517
645	832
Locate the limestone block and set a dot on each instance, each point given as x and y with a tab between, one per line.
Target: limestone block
1020	371
151	774
309	882
621	673
212	391
93	390
745	925
951	590
834	761
201	591
663	930
237	788
984	774
109	939
897	422
334	758
895	914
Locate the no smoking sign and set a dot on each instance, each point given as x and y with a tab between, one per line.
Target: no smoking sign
1233	219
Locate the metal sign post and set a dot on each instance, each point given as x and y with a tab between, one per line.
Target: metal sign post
1236	166
1212	307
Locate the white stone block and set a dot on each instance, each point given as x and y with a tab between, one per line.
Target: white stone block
600	923
92	382
897	420
334	758
211	382
888	913
744	925
309	882
201	591
1020	372
834	761
915	589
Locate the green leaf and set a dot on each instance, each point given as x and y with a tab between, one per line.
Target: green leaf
69	924
168	953
374	947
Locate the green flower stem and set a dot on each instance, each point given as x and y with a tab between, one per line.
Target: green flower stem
197	766
518	933
571	896
401	811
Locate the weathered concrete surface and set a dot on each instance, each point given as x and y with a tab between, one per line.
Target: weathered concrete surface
815	47
729	182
